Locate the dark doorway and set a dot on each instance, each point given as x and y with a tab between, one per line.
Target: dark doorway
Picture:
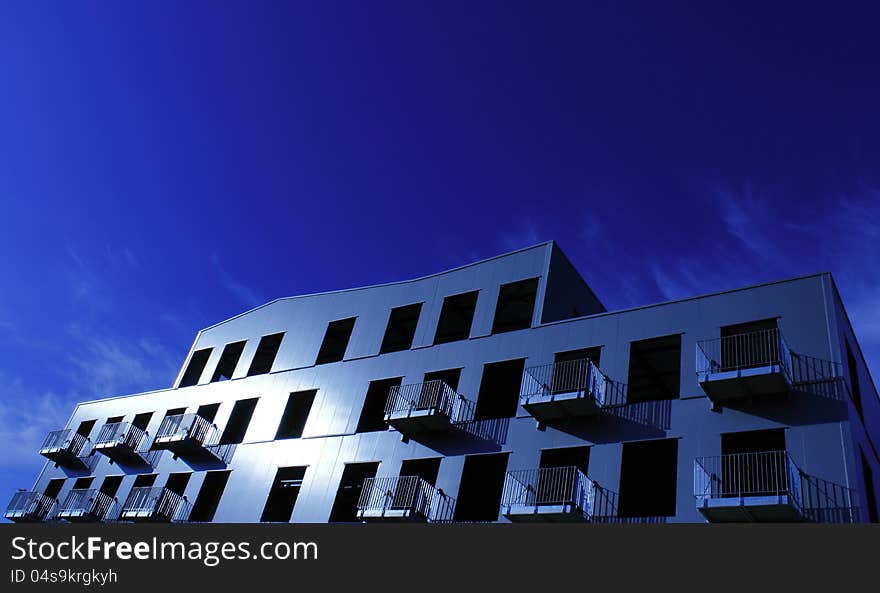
283	494
654	369
110	485
54	487
141	420
349	492
427	469
571	369
372	416
648	474
578	457
754	463
479	493
208	411
85	428
499	389
209	496
870	492
83	483
296	413
177	482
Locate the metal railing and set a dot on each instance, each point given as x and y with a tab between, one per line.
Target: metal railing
65	440
121	433
406	493
156	502
188	426
558	486
85	501
35	506
569	376
766	347
429	395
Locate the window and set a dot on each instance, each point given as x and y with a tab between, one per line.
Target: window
53	488
854	381
401	328
85	428
456	318
208	411
373	413
578	457
283	495
265	354
82	483
870	493
195	367
515	307
177	482
427	469
479	493
144	480
335	341
228	361
648	473
654	369
499	389
209	496
140	421
296	412
110	485
353	477
238	422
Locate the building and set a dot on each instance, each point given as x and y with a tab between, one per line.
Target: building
499	391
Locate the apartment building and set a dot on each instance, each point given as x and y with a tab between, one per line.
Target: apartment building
501	391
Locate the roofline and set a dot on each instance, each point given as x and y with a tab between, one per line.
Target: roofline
394	283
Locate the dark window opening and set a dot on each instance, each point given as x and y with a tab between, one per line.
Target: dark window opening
427	469
870	492
228	361
578	457
264	357
177	482
648	473
571	369
749	345
754	463
353	477
499	389
479	493
209	496
854	381
579	354
110	485
335	341
144	481
283	495
115	419
208	411
448	376
456	318
195	367
372	416
654	369
238	422
85	428
516	305
83	483
296	412
401	328
54	487
140	421
175	412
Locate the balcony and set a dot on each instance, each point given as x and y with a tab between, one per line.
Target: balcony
88	506
431	406
66	448
190	437
404	499
767	487
155	504
566	389
750	364
30	507
556	495
123	443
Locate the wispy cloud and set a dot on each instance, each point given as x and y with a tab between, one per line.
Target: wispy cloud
243	293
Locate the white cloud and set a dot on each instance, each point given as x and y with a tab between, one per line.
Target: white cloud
243	293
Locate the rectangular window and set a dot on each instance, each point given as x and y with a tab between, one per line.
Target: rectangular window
456	318
296	412
353	477
854	381
195	367
85	428
283	495
177	482
228	361
238	422
82	483
110	485
140	421
208	411
401	328
499	389
648	472
427	469
209	496
479	493
372	416
264	357
654	369
515	307
144	480
870	492
335	341
578	457
54	487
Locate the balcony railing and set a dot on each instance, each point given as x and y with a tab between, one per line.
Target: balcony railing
66	447
404	498
768	486
26	507
191	437
124	442
155	503
84	504
556	493
568	388
430	398
762	348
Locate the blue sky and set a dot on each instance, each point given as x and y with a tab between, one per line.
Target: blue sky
166	165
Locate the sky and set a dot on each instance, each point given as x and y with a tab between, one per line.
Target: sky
167	165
